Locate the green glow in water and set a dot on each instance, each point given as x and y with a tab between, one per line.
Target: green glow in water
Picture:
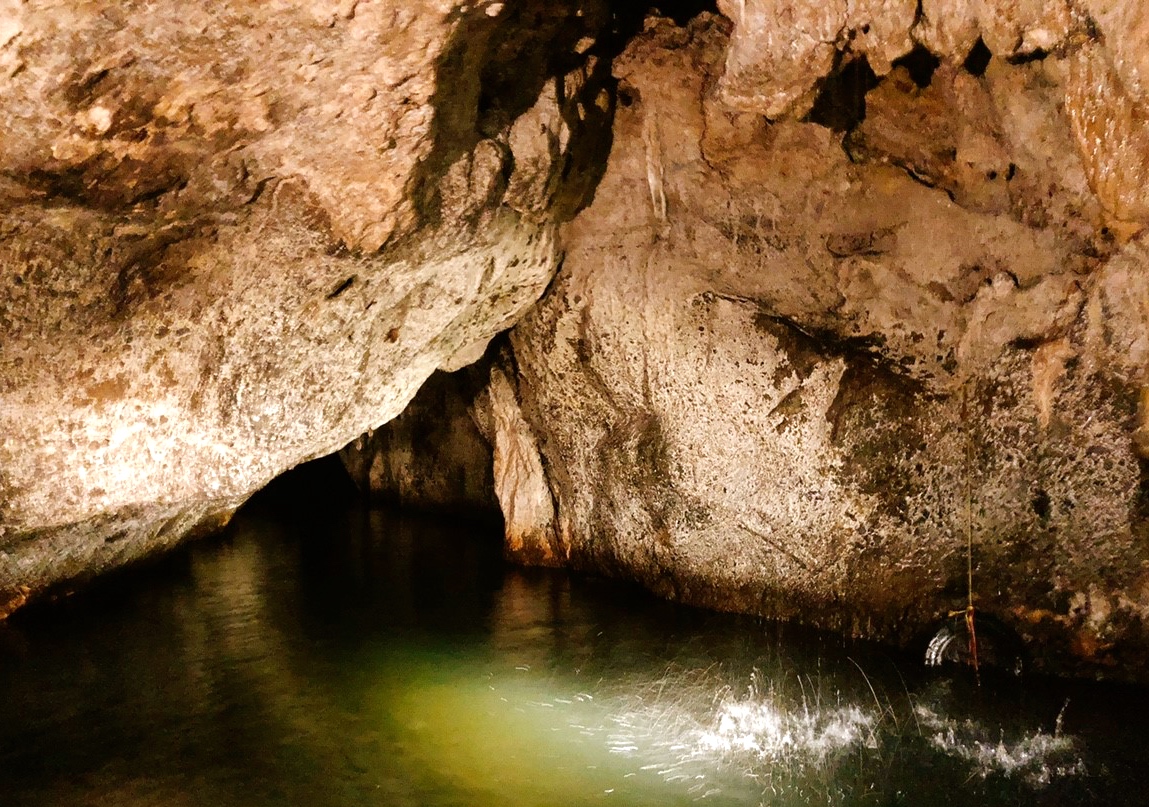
369	660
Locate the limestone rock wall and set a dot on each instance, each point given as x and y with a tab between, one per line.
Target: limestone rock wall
783	369
857	277
234	237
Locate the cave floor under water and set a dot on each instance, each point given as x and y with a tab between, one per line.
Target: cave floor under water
364	657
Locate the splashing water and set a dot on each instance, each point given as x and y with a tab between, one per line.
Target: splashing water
704	731
1037	757
763	730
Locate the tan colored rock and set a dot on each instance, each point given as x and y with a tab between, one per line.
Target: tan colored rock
174	86
1112	135
1009	28
1124	29
946	134
779	49
781	52
520	481
763	365
233	239
861	250
1117	316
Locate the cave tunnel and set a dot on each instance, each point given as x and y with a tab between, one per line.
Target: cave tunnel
571	403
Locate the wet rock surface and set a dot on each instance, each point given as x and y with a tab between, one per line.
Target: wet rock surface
859	281
784	370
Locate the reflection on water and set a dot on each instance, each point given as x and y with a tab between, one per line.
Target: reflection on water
368	659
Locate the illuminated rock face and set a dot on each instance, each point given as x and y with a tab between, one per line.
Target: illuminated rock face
233	238
783	368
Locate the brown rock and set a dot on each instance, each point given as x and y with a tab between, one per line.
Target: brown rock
234	239
1009	27
520	481
772	379
783	368
1112	136
779	51
432	456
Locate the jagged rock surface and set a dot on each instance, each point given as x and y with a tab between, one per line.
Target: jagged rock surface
232	239
782	368
782	359
781	53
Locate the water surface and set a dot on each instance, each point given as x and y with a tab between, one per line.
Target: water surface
360	657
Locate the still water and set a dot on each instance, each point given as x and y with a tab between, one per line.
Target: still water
367	658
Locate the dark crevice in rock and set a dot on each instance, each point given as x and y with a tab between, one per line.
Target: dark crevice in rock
841	101
342	287
434	456
919	13
921	64
629	18
928	182
683	11
820	341
978	58
1041	504
585	161
495	69
1035	55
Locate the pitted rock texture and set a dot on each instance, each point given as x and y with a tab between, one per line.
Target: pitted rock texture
784	370
783	363
232	239
781	54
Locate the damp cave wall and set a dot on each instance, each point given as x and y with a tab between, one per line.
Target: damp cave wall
921	384
769	279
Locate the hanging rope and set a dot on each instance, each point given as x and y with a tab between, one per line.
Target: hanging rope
968	612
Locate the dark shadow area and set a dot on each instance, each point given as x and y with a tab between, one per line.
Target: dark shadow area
921	64
841	101
1035	55
494	70
315	486
978	59
382	569
435	457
